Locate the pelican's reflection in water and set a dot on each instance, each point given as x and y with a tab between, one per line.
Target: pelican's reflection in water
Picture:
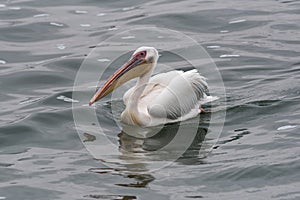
181	142
144	150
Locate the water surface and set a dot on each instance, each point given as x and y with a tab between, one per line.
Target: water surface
256	48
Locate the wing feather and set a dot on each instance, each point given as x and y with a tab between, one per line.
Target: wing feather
180	96
162	79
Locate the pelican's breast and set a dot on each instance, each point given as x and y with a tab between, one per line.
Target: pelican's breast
131	117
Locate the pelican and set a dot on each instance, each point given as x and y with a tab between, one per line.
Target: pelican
164	98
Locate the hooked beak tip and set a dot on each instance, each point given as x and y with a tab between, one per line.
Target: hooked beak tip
91	102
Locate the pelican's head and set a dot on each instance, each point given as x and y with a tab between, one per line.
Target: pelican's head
141	62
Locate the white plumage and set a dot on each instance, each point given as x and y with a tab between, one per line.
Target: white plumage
164	98
171	96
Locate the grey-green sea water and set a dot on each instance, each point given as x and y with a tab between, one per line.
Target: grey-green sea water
256	46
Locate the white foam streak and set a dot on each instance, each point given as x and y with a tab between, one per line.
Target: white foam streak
66	99
128	37
237	21
103	60
56	24
286	127
229	56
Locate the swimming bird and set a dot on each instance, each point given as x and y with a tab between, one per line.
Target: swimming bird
163	98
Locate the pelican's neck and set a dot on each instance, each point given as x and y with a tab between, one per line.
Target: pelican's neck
138	90
134	114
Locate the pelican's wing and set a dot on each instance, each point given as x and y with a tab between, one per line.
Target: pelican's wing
159	80
180	96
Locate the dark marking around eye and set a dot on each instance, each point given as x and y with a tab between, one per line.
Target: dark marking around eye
141	54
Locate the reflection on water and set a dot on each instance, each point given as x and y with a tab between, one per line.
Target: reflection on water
140	154
137	152
148	146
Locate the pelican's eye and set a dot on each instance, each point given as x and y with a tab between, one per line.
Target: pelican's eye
141	54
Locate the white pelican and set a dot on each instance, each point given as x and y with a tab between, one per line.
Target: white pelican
164	98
